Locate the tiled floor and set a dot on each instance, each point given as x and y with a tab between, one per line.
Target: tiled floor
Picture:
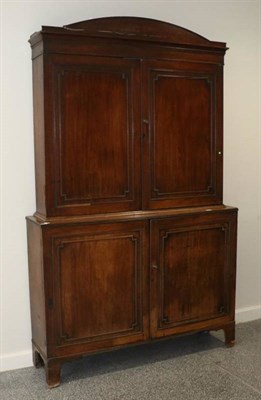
197	367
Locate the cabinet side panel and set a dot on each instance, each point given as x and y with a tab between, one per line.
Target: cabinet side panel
36	283
39	127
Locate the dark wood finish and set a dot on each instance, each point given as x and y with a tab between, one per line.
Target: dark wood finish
193	271
230	337
37	359
39	133
129	216
37	291
106	263
130	240
183	152
102	124
104	121
133	28
91	100
53	373
87	265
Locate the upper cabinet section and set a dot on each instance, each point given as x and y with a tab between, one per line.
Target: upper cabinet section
127	116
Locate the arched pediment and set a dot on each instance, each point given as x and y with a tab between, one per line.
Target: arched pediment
137	28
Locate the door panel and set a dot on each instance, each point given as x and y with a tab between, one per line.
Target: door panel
193	267
100	275
97	148
182	164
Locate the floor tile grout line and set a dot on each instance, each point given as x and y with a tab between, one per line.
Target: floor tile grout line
238	377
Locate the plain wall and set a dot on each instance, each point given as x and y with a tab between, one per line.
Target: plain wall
234	22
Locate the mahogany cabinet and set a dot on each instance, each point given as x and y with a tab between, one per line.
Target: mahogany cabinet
130	240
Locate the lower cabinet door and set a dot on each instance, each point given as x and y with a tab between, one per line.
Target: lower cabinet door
193	261
97	286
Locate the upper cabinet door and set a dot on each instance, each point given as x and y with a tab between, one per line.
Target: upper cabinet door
182	129
92	135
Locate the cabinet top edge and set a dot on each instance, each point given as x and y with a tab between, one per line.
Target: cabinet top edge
128	216
130	28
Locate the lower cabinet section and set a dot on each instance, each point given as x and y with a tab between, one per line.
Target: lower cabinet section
102	285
